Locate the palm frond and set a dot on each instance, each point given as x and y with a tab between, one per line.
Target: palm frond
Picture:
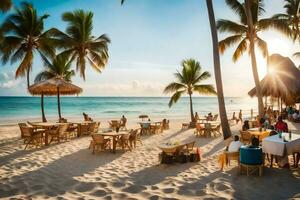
278	24
175	97
228	42
205	89
172	87
231	27
262	45
241	48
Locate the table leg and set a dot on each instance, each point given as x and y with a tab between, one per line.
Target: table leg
46	137
114	144
78	130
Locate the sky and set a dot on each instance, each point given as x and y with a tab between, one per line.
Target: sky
149	39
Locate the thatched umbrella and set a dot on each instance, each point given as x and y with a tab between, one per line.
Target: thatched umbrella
51	87
282	80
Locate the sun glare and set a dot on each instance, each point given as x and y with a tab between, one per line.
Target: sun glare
278	46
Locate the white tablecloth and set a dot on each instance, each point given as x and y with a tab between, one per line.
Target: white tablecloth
276	146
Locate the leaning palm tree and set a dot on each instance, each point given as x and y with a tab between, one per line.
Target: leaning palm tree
188	82
5	5
245	35
291	16
217	68
59	66
23	36
80	44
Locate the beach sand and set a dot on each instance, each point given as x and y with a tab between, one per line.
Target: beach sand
70	171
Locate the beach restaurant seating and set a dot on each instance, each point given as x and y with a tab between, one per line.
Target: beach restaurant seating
215	117
31	136
245	137
199	130
135	137
114	124
145	128
99	143
59	133
165	124
216	130
251	159
124	142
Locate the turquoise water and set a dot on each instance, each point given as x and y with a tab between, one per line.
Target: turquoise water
14	109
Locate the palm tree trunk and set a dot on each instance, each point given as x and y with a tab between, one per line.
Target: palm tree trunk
58	103
42	106
192	123
28	81
253	59
217	68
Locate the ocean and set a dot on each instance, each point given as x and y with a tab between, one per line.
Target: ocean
15	109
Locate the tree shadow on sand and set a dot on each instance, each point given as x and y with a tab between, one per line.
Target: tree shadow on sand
153	175
43	181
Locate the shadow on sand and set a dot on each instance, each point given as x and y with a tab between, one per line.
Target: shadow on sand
43	181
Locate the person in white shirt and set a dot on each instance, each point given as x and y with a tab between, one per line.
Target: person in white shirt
235	145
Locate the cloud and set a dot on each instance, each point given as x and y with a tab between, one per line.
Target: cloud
133	88
7	80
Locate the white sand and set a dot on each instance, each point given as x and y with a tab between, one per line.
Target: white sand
70	171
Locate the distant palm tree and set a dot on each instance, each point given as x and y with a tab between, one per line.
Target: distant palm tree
60	66
188	81
291	16
245	34
217	68
23	36
80	44
5	5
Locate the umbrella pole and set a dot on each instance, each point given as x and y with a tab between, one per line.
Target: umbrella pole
58	103
42	106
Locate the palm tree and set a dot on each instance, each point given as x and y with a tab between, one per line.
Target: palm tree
23	36
5	5
245	34
188	81
80	44
291	16
217	68
60	66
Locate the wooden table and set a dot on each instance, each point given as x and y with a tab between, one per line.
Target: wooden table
47	126
114	136
79	126
259	134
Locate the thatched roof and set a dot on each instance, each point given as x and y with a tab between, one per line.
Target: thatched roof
283	80
50	87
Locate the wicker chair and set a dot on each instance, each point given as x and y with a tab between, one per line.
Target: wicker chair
31	137
60	133
216	130
245	137
97	126
124	142
199	130
99	143
135	136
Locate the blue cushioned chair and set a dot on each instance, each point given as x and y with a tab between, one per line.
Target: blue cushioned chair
251	159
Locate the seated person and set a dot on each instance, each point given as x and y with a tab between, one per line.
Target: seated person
281	125
273	132
254	143
123	122
196	117
261	122
235	145
86	117
209	117
245	126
